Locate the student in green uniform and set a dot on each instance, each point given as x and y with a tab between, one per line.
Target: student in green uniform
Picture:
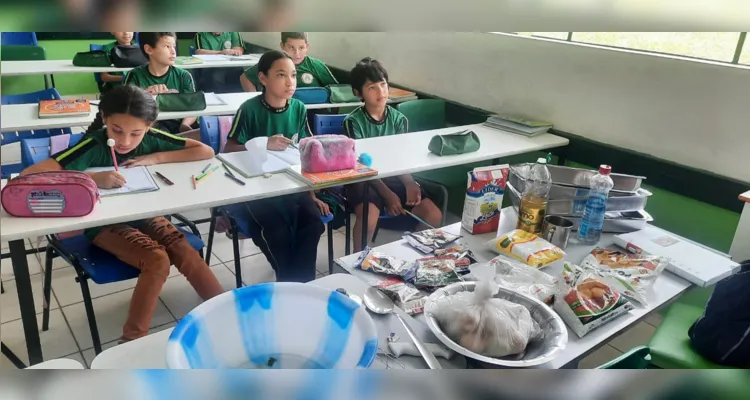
287	229
161	76
219	80
311	72
376	118
114	79
126	114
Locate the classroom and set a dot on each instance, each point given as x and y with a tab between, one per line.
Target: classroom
322	167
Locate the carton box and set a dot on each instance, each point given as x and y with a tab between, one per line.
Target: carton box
484	198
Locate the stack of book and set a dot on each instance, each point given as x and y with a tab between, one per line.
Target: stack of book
518	125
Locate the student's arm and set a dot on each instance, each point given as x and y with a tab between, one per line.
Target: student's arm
49	164
246	84
352	129
239	134
105	77
104	179
191	150
199	46
237	43
249	79
323	74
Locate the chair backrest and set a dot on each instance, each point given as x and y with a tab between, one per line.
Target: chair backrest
19	38
637	358
324	124
22	53
94	47
30	98
424	114
214	130
37	149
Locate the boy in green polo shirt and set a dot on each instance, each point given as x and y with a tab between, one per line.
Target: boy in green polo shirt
114	79
374	119
311	72
161	76
219	80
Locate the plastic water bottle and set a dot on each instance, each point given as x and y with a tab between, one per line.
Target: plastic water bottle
596	206
534	198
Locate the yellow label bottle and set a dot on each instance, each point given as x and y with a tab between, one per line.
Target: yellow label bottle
531	214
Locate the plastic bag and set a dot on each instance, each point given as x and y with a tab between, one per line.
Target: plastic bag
406	296
631	274
519	277
432	273
485	325
429	240
526	247
461	254
381	263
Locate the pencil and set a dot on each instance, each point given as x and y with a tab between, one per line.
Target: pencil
205	174
234	178
206	168
229	171
195	184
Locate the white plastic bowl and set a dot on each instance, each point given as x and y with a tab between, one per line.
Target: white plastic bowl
287	325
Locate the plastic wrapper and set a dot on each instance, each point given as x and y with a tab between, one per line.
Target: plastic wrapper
404	295
587	301
519	277
381	263
485	325
430	240
432	273
631	274
526	247
461	254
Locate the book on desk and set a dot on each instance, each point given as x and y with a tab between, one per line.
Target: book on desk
64	108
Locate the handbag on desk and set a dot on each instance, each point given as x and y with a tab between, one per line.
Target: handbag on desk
129	56
195	101
50	194
96	58
454	143
342	93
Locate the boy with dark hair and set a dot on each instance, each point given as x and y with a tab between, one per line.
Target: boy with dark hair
113	79
219	80
311	72
369	81
161	76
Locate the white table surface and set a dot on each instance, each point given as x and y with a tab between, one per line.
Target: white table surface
149	352
392	155
666	288
25	117
59	363
44	67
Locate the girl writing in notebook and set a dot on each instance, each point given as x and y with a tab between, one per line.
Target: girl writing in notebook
126	115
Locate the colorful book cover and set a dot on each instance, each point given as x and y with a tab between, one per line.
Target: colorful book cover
333	177
51	108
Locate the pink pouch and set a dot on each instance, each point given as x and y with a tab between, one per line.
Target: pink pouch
225	125
325	153
50	194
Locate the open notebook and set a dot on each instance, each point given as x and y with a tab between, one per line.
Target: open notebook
138	180
257	161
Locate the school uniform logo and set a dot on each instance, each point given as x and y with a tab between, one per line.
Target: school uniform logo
227	45
307	78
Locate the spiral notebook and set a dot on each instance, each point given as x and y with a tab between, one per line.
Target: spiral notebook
138	180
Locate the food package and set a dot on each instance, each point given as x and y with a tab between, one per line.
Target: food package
585	301
631	274
485	325
526	247
459	253
404	295
432	273
484	198
429	240
519	277
381	263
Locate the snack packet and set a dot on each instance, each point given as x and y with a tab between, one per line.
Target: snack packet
429	240
526	247
381	263
406	296
631	274
585	301
432	273
519	277
461	254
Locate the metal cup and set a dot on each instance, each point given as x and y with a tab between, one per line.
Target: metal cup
557	230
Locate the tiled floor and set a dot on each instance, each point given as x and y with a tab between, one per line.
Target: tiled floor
69	335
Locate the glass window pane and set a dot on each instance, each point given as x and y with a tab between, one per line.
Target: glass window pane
718	46
745	56
554	35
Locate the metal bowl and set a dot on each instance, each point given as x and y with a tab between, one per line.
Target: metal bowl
540	351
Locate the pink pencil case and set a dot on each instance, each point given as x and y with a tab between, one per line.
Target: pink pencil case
325	153
50	194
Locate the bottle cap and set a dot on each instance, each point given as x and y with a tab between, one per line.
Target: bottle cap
541	161
605	169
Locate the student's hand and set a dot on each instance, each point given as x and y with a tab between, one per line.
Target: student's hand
231	52
278	143
413	194
156	89
393	204
108	179
322	206
142	161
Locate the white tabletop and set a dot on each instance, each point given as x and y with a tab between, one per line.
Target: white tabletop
666	288
60	363
25	117
149	352
43	67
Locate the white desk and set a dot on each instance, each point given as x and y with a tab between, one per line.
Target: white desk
393	155
46	67
25	117
740	250
665	289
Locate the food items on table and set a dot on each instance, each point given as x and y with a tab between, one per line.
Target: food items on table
519	277
631	274
461	254
381	263
621	259
484	198
432	273
526	247
406	296
534	198
429	240
485	325
586	301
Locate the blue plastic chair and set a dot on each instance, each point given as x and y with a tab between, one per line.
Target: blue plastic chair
88	260
12	137
237	214
19	38
192	51
324	124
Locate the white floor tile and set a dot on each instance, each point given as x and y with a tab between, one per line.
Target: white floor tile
68	291
654	319
339	247
223	249
637	335
256	269
179	296
56	342
602	355
111	312
7	266
9	309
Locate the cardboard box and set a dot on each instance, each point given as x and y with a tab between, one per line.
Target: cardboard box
484	199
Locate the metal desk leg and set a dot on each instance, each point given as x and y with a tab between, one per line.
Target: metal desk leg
365	213
26	300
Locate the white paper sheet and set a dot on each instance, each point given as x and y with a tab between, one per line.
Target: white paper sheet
213	99
211	57
138	179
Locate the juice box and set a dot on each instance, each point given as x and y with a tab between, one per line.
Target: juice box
484	198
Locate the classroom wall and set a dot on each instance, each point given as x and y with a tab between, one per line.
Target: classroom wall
684	111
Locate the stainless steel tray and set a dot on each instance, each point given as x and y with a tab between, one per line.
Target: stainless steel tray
619	222
563	200
576	177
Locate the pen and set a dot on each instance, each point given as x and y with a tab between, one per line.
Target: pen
206	168
205	174
229	171
419	219
234	178
164	178
195	184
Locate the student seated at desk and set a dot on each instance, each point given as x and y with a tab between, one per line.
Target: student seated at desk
287	229
369	81
161	76
311	72
114	79
219	80
126	114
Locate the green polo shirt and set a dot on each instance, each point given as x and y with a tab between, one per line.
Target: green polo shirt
256	118
311	72
175	79
359	124
222	41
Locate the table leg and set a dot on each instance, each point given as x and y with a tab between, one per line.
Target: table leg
365	213
26	300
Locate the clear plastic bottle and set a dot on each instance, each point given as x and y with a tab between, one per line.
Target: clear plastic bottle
534	198
596	206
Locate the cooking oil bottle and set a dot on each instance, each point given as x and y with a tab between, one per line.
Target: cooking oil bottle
534	198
